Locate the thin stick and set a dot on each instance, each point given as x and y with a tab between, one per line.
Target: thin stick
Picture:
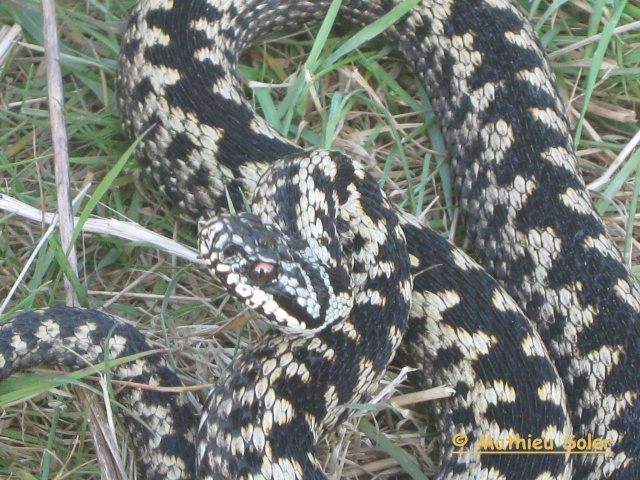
65	210
59	138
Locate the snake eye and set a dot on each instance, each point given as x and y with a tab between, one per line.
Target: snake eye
263	272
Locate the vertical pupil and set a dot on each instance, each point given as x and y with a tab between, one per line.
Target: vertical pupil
263	272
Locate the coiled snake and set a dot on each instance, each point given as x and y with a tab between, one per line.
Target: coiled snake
339	288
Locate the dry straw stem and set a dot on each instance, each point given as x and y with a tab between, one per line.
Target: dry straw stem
106	226
8	36
59	140
103	436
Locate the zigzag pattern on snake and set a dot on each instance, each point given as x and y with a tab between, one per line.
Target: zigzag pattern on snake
527	214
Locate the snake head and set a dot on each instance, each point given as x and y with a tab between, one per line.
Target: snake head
272	273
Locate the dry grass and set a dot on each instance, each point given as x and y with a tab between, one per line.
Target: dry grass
364	108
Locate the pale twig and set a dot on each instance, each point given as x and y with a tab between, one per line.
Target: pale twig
109	466
107	226
59	139
8	37
592	39
605	178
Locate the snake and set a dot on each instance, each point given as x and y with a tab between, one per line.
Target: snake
539	338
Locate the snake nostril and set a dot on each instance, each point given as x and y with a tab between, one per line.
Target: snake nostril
263	272
230	251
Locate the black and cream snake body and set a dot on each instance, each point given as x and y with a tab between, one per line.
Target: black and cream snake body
527	213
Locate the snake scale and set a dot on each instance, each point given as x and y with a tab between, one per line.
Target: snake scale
343	274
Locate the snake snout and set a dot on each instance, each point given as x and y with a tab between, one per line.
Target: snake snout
237	240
